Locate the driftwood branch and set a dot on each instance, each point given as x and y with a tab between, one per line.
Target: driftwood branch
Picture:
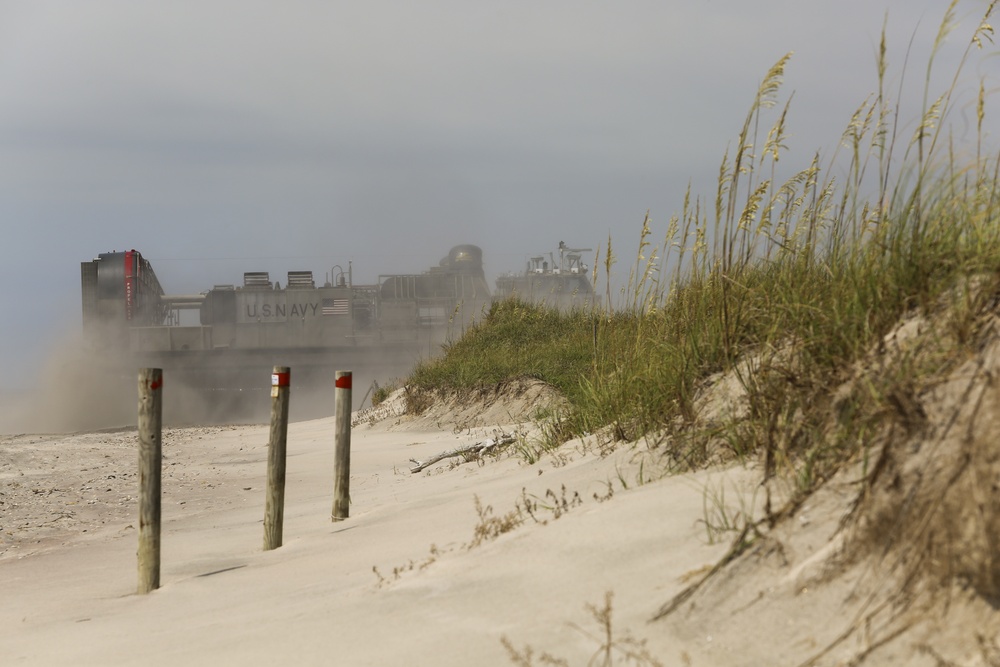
474	450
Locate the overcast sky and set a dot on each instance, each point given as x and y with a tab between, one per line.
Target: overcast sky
223	137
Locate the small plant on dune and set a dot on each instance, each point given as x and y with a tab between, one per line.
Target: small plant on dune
720	518
418	399
609	493
612	650
557	504
382	392
529	451
399	570
526	656
490	527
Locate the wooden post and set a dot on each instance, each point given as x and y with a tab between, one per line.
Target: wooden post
342	446
274	510
150	461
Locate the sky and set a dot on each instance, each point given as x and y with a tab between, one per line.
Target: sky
223	137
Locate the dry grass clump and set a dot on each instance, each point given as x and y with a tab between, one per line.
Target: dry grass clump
418	399
556	503
518	399
930	508
489	526
921	538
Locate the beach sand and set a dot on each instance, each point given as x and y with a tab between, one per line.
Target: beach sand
448	566
399	582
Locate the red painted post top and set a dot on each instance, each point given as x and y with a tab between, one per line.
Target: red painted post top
280	379
344	381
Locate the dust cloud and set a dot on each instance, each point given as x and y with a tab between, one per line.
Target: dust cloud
79	388
84	386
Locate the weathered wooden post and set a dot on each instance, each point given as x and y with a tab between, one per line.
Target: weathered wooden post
150	461
274	510
342	446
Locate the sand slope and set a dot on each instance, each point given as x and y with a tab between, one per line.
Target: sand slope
68	595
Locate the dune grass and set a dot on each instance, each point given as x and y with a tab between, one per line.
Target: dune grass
801	277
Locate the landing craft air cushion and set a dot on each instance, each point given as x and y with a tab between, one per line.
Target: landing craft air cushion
224	362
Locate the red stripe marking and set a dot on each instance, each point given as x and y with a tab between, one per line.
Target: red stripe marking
284	379
129	283
344	382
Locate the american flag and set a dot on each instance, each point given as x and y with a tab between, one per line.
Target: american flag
336	306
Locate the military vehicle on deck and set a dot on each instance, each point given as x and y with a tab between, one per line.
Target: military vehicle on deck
563	282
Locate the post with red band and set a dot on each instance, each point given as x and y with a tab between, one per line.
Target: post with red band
150	466
342	446
274	506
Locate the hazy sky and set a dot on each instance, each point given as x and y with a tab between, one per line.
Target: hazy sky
222	137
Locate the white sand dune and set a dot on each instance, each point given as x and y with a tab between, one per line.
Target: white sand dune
69	596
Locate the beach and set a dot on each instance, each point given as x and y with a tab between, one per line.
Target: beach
590	553
401	581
